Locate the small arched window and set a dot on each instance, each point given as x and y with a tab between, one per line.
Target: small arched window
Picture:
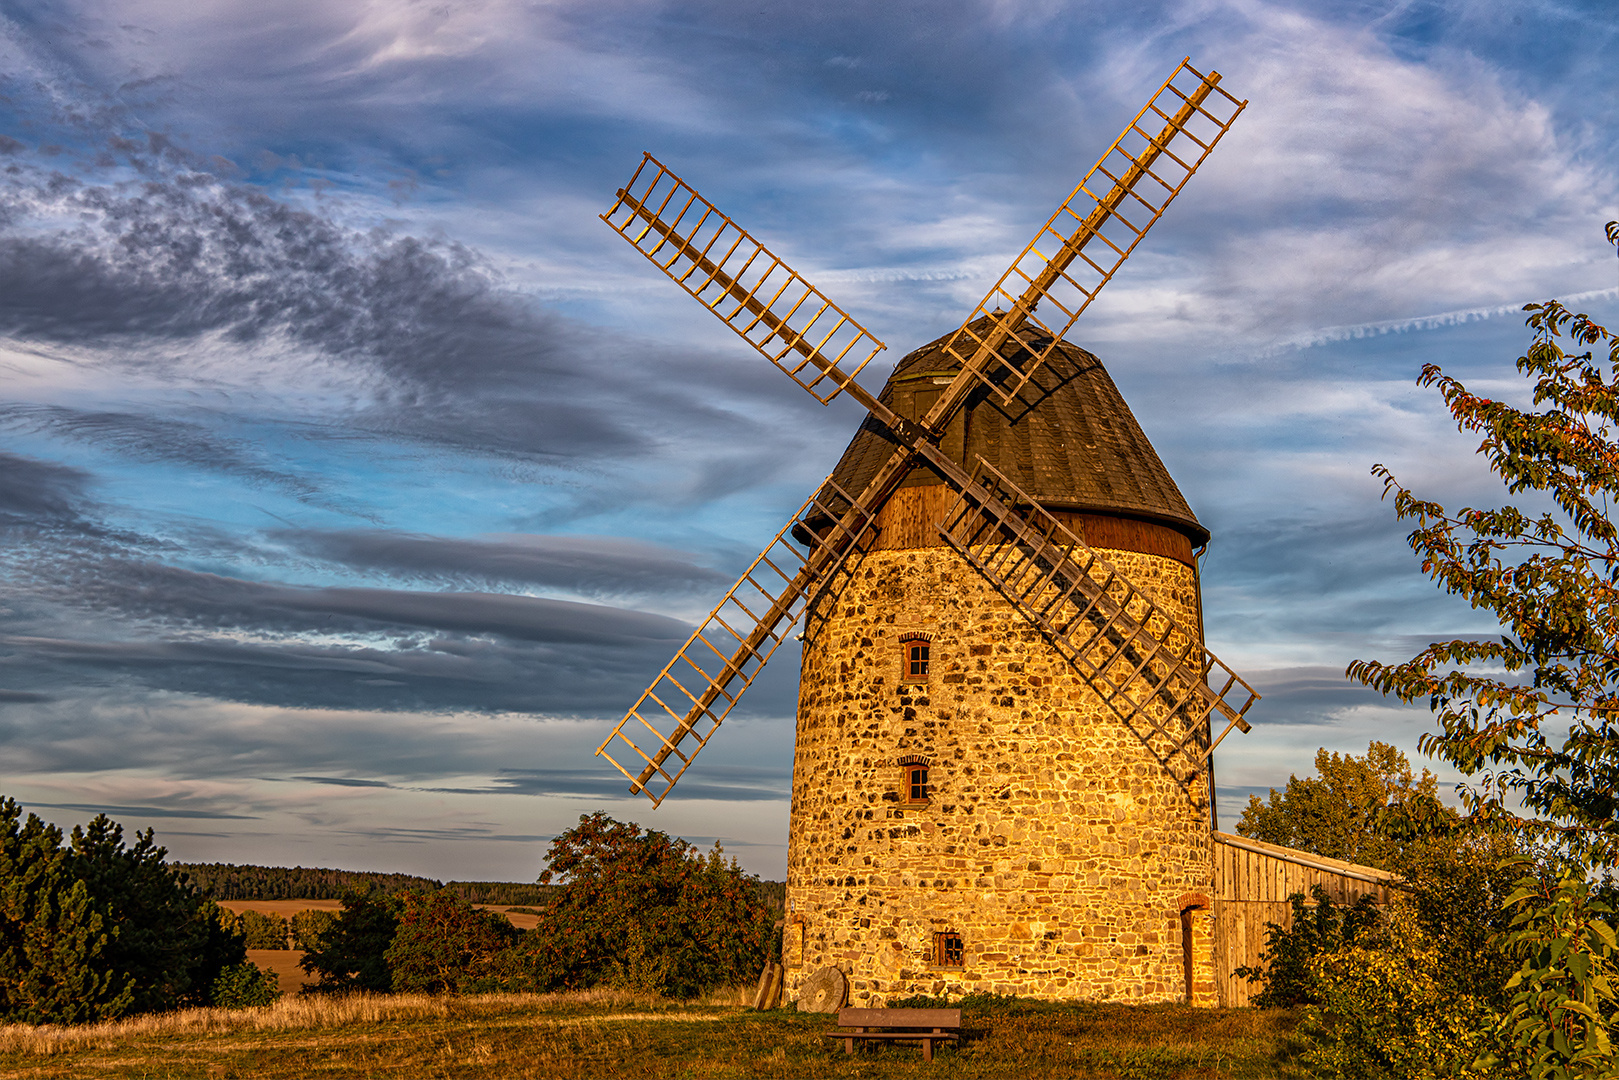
915	657
915	785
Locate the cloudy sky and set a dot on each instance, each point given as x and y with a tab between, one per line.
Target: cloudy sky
354	477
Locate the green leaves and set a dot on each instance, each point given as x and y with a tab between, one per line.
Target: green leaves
1551	579
1564	996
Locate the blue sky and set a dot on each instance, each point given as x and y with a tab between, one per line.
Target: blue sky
354	477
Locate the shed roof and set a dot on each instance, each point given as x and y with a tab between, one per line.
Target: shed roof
1069	440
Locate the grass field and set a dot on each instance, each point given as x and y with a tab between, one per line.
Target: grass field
602	1034
519	916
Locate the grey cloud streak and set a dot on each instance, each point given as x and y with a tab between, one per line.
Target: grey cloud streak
189	598
38	493
441	674
713	781
95	618
157	439
599	565
1307	695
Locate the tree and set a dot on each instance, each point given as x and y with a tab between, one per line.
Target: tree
1533	712
645	910
54	937
309	929
354	948
1552	579
1344	811
445	945
165	935
264	931
96	929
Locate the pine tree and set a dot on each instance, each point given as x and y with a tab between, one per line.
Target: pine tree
55	963
96	929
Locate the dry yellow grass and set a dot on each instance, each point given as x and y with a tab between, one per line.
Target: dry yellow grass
302	1013
604	1033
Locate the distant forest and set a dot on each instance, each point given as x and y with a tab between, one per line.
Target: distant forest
228	881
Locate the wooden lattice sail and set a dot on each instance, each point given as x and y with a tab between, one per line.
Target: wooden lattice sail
1152	673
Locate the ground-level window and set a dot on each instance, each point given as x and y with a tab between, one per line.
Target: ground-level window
947	950
914	658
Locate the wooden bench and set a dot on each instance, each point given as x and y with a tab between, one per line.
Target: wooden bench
926	1026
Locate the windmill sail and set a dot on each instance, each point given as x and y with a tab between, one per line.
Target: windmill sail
1086	241
699	687
1142	664
737	278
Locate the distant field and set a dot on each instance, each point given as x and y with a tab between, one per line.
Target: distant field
289	977
602	1034
284	962
288	908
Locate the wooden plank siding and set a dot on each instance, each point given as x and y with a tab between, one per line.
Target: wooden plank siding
1252	881
910	519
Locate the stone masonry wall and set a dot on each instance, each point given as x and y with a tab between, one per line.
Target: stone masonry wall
1053	841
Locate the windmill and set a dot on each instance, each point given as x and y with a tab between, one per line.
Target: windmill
1134	644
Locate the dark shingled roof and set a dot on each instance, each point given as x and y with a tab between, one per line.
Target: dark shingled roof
1069	440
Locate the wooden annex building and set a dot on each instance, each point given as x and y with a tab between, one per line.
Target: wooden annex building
1252	881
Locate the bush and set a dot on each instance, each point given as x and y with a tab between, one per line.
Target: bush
310	927
1425	992
96	929
353	953
646	911
1458	885
1288	975
1387	1007
443	944
264	931
243	986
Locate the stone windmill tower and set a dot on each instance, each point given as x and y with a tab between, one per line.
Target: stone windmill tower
1001	775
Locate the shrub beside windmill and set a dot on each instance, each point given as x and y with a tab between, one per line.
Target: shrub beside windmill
1001	775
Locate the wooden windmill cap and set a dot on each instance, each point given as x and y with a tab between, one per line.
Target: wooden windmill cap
1069	440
